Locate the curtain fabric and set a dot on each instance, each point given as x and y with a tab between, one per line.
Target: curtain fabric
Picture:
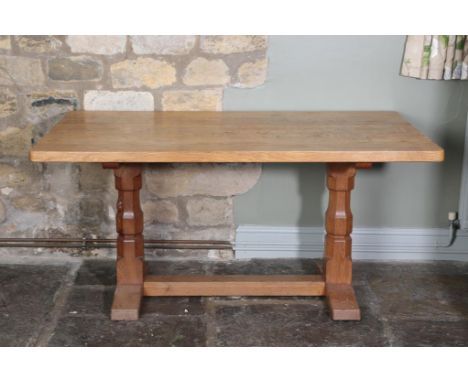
441	57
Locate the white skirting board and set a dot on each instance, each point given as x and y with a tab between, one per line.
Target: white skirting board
384	244
463	202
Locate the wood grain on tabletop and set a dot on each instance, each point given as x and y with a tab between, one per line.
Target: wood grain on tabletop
116	136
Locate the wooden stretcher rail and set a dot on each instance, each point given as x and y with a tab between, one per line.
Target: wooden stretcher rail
234	285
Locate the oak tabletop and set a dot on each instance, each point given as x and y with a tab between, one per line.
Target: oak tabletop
140	137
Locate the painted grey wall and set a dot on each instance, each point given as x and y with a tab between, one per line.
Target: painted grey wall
355	73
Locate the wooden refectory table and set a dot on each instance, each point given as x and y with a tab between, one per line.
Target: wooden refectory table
124	141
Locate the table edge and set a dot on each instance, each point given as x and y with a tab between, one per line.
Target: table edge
238	156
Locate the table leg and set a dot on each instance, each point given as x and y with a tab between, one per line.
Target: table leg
338	225
130	254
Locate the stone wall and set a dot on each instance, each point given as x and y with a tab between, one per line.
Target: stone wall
41	77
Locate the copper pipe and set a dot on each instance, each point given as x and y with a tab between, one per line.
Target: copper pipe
87	243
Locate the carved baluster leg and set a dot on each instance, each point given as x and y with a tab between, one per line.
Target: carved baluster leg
338	225
130	261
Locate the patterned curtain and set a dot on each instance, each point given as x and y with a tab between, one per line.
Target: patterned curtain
436	57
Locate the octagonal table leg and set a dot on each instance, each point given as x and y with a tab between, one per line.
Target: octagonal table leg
130	253
338	225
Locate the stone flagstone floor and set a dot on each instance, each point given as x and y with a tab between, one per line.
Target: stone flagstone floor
403	304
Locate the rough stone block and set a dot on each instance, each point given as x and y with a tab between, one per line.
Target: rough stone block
419	333
160	211
8	103
94	178
106	45
38	44
27	300
15	141
119	100
76	68
232	44
60	180
143	72
267	267
149	330
30	203
296	323
202	71
93	213
15	175
201	179
193	100
252	74
43	109
173	232
209	211
5	43
198	254
44	106
20	71
96	272
164	45
418	294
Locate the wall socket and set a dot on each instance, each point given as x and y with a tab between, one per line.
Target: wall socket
454	221
452	215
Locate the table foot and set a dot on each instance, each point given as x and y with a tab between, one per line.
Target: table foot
342	302
127	301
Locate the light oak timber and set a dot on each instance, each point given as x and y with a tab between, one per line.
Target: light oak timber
126	303
234	285
364	166
339	223
129	224
140	137
338	227
342	302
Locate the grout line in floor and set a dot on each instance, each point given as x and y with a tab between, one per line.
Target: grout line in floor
376	311
60	298
210	309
